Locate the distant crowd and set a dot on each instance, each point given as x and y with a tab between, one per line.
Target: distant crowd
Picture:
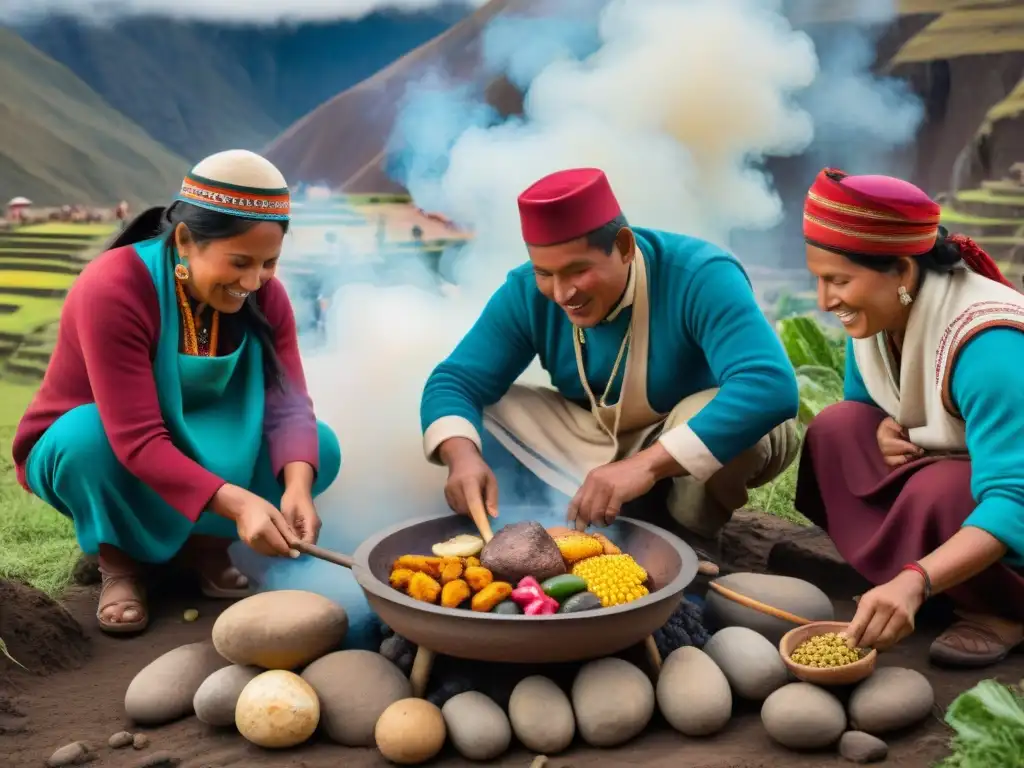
19	214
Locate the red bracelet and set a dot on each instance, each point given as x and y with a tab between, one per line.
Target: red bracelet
916	567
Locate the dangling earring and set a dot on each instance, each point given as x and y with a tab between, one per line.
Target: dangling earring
905	297
181	273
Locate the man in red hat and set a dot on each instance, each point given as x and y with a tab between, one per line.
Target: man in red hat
662	366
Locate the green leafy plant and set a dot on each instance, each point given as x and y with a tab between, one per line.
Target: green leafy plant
819	360
989	723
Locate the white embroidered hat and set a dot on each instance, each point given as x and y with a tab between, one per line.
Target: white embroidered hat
240	183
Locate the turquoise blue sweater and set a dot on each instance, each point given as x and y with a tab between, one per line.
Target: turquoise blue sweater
986	390
706	330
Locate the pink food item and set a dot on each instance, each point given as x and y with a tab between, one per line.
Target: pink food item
527	592
543	606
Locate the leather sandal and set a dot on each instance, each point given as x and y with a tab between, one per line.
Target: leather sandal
969	644
136	602
220	580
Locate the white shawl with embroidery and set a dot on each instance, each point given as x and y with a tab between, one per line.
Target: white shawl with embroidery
948	311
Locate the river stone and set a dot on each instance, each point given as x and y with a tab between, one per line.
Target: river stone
891	699
860	747
215	701
613	701
788	594
541	715
355	687
75	753
693	693
752	665
803	716
477	727
164	689
283	629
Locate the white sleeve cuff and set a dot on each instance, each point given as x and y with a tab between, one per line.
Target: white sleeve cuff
445	428
689	451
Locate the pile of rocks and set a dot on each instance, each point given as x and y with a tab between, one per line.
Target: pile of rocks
276	651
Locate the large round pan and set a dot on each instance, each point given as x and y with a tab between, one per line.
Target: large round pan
670	563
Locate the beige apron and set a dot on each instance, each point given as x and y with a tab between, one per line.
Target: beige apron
559	441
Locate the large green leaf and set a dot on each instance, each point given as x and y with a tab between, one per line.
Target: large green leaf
989	724
807	343
820	387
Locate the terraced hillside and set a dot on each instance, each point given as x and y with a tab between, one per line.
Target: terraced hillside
37	266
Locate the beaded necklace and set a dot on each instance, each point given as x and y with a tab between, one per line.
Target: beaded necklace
203	343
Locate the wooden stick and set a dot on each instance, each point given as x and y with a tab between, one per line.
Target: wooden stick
422	664
325	554
653	656
756	605
483	523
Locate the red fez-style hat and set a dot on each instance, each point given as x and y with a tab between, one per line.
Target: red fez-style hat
882	216
566	205
869	215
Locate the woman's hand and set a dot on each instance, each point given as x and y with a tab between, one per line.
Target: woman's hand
260	524
885	615
895	445
299	510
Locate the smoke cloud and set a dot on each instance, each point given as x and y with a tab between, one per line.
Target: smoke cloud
241	11
681	102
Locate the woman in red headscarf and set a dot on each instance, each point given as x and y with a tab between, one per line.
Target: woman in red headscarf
918	476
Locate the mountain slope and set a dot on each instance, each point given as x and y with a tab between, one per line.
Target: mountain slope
362	118
345	142
201	87
60	142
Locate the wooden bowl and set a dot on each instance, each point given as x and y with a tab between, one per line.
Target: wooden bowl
845	675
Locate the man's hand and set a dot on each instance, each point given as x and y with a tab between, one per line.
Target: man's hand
885	615
895	445
607	488
470	481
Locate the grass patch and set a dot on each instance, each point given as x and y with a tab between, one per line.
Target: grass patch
13	279
32	313
989	197
951	216
37	544
776	498
98	229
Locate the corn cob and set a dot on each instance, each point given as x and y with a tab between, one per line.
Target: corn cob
615	579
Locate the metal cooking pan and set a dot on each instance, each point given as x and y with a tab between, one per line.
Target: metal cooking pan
670	563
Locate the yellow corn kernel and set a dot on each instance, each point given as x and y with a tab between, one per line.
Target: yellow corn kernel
578	546
615	579
472	562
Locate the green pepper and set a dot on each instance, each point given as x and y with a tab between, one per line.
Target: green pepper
563	587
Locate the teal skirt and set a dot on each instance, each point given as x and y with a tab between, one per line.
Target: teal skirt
73	469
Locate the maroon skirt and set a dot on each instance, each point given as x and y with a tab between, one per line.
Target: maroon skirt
882	518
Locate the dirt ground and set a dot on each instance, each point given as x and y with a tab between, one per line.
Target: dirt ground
84	701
